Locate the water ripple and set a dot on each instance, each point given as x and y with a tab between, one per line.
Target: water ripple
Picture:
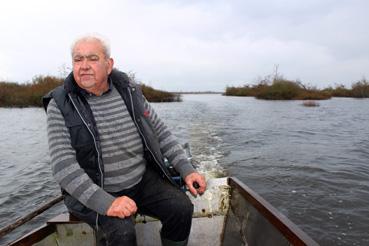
311	164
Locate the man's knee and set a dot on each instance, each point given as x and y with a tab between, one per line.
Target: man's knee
178	219
120	232
187	207
182	207
124	234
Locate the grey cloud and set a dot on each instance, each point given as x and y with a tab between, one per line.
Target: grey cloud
195	44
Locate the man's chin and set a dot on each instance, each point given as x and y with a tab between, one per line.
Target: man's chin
87	83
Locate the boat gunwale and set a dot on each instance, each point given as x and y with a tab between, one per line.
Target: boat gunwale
35	235
289	229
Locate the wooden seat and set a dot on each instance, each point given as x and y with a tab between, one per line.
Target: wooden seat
65	218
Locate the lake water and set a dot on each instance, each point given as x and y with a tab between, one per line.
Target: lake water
311	163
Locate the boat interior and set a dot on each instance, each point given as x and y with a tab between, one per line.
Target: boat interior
228	213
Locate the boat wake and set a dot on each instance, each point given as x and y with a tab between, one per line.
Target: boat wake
206	152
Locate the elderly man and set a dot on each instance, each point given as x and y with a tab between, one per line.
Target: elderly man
107	148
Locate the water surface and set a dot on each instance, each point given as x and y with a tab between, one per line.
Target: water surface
312	164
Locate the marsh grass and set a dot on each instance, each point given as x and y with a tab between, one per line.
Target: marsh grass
360	89
282	89
279	89
27	95
153	95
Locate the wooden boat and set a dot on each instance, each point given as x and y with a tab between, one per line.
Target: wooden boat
228	213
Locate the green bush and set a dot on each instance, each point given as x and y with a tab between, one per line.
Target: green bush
339	91
27	95
153	95
245	91
360	89
280	90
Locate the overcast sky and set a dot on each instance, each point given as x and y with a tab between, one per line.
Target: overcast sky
187	45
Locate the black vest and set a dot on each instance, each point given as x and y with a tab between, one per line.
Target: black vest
80	122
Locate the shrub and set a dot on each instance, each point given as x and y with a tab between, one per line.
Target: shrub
360	89
339	91
280	90
153	95
16	95
245	91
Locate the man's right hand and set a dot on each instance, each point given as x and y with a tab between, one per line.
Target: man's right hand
122	207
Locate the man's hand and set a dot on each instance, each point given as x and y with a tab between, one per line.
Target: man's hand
122	207
199	179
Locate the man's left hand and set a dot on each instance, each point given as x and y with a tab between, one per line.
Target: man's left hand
191	178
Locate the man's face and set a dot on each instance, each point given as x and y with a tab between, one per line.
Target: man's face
90	66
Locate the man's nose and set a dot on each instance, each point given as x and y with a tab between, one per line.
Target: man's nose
85	64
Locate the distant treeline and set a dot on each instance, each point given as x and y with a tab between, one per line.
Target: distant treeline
30	94
282	89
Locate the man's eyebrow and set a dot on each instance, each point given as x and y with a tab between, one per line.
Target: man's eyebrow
85	55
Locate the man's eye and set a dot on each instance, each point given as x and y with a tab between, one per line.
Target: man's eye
77	59
93	58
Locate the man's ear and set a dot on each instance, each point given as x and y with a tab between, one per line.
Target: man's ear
110	65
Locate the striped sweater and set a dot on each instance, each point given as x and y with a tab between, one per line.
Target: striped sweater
122	151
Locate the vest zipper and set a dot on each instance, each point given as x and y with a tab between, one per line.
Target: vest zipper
143	137
98	154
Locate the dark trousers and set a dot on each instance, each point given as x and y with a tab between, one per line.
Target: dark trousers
154	197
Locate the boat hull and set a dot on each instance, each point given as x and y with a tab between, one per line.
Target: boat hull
228	213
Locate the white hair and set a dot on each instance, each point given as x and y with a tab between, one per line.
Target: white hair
93	37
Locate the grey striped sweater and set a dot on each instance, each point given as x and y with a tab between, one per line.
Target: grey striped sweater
122	151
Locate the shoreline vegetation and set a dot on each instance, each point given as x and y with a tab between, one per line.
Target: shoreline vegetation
153	95
283	89
30	94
